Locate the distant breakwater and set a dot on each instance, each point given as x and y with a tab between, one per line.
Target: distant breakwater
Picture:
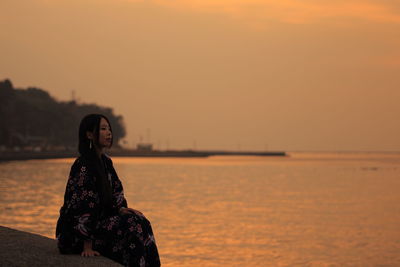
27	155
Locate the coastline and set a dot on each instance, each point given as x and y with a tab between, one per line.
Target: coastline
28	155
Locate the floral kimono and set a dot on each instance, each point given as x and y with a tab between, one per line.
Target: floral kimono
127	239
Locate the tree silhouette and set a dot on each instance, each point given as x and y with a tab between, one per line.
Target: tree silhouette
31	117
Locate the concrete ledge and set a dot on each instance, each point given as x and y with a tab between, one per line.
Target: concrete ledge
18	248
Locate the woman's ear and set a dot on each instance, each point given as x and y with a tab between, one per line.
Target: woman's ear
89	135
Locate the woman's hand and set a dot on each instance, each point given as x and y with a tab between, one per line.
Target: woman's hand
124	211
87	249
89	253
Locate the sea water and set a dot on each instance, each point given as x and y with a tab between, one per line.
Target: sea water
307	209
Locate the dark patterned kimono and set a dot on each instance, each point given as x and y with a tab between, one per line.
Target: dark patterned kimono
127	239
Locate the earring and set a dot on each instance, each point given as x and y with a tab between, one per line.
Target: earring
90	144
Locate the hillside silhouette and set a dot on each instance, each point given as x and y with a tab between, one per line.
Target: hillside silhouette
32	119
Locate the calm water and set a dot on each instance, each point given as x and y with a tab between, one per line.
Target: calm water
303	210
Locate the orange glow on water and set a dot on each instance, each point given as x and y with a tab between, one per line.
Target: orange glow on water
307	209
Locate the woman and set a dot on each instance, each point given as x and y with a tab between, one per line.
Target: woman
95	218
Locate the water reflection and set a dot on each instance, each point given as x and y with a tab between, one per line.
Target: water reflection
307	209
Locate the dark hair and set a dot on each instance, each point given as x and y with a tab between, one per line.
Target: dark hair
91	123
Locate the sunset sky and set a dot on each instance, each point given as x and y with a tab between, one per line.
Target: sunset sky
217	74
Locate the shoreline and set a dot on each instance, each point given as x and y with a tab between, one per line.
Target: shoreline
28	155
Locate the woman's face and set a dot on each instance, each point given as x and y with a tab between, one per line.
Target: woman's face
105	135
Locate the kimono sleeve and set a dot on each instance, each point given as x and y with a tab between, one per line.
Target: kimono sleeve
83	201
119	200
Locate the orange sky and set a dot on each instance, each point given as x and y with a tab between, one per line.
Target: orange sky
291	11
282	75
